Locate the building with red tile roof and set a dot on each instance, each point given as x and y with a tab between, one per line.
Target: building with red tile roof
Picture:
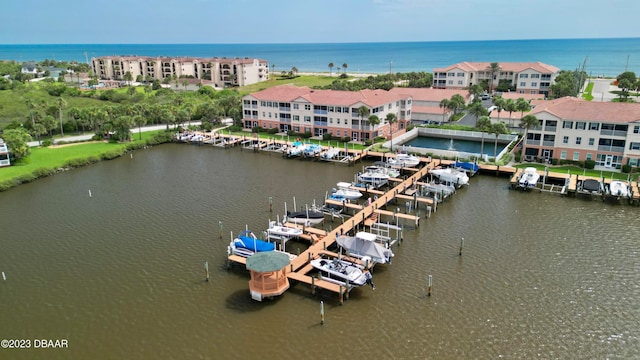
579	130
221	72
426	103
526	77
319	112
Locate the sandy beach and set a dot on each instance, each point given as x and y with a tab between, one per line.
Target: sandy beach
337	75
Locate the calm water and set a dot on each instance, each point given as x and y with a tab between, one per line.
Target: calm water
604	56
474	147
120	274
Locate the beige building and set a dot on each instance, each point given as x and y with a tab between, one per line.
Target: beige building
221	72
527	78
302	109
4	154
426	108
579	130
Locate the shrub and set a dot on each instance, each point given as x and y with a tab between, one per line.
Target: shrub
326	136
554	161
589	164
25	178
344	76
518	156
42	172
626	168
47	143
346	139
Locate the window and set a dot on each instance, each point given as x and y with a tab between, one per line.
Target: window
534	84
451	74
563	155
263	103
450	82
307	119
589	157
594	126
338	121
636	129
634	146
591	141
521	91
295	106
389	107
523	76
345	110
338	133
461	74
567	124
565	140
580	125
269	114
522	83
263	114
576	156
296	117
330	109
459	82
330	120
535	76
533	91
307	107
578	140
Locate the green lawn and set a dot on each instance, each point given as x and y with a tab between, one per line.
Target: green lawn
576	170
587	92
302	80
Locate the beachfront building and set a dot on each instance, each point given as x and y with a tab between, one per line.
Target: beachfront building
425	108
221	72
318	112
579	130
4	154
526	77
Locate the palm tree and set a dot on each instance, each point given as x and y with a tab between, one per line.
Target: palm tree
139	120
475	90
527	122
522	105
477	109
273	69
363	111
344	67
330	68
493	68
128	77
444	105
457	103
499	102
510	106
483	124
373	120
185	82
391	119
294	70
61	103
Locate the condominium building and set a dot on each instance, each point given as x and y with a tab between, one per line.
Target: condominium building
426	108
220	71
319	112
579	130
527	77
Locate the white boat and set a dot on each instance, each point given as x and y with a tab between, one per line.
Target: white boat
330	154
345	191
373	178
342	272
280	230
364	245
529	178
312	150
305	217
618	188
404	160
296	149
452	176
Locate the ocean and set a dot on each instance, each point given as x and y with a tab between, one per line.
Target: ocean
608	57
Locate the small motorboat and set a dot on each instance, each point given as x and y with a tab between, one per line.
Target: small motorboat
283	231
404	160
618	188
364	246
470	167
246	244
330	154
342	272
451	176
312	150
529	178
345	191
305	217
296	149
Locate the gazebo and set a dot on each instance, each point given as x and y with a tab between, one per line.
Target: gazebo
268	274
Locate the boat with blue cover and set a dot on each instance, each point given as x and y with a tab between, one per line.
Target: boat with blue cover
246	244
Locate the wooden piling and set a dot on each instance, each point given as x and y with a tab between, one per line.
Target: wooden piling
461	244
206	270
220	226
270	204
429	293
313	285
321	313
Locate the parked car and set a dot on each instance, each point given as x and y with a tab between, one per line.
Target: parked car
485	97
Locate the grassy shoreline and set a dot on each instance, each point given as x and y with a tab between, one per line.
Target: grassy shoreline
46	161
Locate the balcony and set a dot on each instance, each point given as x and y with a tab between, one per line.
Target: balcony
613	132
615	149
550	128
283	108
320	123
533	142
320	112
548	143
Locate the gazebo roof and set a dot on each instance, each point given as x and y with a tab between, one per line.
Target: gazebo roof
267	261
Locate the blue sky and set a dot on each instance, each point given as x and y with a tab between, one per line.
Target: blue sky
311	21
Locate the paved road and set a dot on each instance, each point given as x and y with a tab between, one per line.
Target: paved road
601	90
87	137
